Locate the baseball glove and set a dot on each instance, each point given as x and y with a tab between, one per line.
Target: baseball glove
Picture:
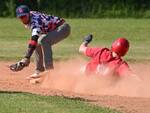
20	65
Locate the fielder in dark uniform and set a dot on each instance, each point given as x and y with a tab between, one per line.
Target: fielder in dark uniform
46	31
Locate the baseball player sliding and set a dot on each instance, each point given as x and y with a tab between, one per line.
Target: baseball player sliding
46	31
105	61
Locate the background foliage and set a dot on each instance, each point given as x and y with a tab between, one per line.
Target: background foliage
82	8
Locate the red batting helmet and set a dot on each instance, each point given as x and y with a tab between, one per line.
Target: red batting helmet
120	46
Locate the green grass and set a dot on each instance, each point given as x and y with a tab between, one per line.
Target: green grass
14	37
29	103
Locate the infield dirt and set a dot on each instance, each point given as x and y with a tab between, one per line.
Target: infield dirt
128	94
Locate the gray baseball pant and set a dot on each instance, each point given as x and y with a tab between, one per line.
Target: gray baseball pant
43	52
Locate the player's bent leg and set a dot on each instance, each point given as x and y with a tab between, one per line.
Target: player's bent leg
59	34
39	59
47	52
52	38
48	56
39	68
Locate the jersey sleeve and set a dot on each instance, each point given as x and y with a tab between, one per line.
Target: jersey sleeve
36	31
36	27
91	52
123	69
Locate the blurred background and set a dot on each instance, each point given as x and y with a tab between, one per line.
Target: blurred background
82	8
105	19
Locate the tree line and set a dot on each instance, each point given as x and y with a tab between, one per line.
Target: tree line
81	8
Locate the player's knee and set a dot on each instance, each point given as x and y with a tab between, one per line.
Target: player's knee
42	40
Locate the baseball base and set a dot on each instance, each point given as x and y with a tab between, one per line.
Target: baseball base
36	80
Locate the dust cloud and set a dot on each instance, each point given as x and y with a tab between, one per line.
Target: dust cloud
67	77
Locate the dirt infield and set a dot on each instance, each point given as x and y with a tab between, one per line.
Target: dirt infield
128	95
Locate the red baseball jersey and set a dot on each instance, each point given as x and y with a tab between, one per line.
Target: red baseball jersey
102	60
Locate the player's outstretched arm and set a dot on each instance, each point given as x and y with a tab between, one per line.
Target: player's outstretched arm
26	60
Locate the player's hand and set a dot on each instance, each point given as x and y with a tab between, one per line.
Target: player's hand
87	39
20	65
